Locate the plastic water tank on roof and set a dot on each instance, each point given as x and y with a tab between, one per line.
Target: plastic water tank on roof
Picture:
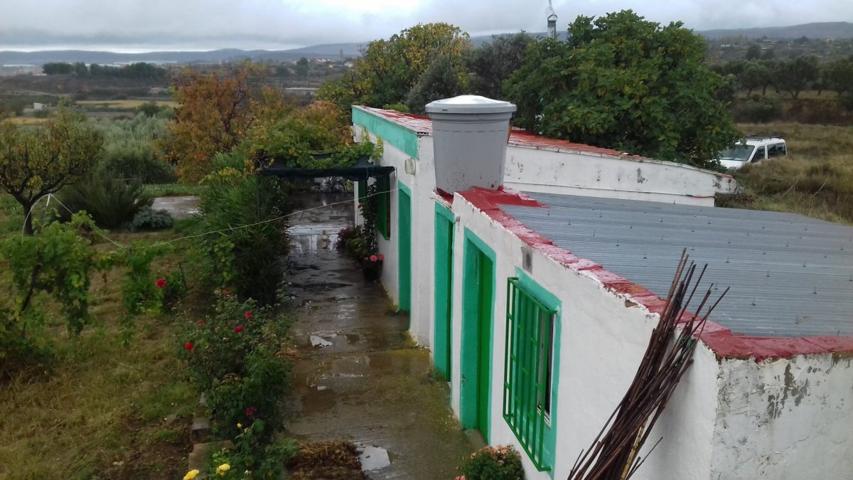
470	133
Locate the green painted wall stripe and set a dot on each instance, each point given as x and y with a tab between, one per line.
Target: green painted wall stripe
401	137
443	289
474	250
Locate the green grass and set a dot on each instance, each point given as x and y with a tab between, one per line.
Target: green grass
816	179
106	409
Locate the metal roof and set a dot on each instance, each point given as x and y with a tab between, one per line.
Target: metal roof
789	275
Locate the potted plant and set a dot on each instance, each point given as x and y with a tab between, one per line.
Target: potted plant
371	266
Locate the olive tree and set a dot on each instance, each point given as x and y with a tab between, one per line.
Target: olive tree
39	160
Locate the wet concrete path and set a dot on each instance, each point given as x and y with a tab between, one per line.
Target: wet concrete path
358	376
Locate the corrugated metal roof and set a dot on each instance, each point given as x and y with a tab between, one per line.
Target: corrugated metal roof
790	275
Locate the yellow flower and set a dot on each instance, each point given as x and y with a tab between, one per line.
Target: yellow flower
223	469
239	425
191	474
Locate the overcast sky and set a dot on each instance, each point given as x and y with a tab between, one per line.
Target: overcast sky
140	25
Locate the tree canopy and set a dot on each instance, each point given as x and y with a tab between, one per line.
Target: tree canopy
493	62
389	69
37	161
623	82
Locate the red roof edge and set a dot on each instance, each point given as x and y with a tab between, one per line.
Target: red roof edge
720	339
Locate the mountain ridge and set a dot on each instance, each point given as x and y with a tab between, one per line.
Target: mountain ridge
819	30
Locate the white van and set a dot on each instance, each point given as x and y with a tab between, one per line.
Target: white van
752	150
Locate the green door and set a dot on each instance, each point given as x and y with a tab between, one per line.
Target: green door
404	211
478	310
443	288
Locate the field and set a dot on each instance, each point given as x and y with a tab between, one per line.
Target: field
815	180
123	104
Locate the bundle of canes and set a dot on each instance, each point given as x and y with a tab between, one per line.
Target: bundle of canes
614	454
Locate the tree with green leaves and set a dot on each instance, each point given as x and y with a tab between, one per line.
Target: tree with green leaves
839	75
389	69
794	76
493	62
755	75
440	80
37	161
622	82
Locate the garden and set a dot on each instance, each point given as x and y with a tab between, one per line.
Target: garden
124	328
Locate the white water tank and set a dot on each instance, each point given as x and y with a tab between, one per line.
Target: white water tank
470	134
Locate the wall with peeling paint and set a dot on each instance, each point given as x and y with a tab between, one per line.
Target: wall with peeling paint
603	338
597	175
785	419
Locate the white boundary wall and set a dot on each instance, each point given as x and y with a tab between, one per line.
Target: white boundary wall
596	175
419	176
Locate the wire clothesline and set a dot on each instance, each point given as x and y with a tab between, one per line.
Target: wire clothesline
211	232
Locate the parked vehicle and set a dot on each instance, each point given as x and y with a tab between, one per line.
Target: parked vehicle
752	150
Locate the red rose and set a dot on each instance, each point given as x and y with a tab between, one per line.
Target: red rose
250	411
189	346
160	282
373	258
248	315
238	329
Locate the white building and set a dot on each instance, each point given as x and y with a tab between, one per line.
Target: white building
770	392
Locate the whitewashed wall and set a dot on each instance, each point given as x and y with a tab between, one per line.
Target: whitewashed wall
596	175
419	176
785	419
602	342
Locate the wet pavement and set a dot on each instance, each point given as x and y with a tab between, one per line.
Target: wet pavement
178	207
358	376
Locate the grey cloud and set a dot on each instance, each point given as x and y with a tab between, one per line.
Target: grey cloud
207	24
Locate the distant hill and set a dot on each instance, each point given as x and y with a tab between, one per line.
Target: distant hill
823	30
212	56
826	30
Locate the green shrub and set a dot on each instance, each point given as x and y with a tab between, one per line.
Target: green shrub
58	261
138	163
149	219
130	152
112	202
233	356
174	290
263	459
245	259
493	463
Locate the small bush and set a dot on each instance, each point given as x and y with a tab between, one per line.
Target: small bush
149	219
493	463
233	356
137	163
243	259
58	261
264	460
110	201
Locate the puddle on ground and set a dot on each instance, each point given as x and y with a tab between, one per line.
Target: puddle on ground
357	377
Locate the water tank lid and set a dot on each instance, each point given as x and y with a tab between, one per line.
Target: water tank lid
470	104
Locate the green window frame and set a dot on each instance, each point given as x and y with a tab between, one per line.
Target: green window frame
530	369
383	202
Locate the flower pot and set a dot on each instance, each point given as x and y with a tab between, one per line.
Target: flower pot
371	270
